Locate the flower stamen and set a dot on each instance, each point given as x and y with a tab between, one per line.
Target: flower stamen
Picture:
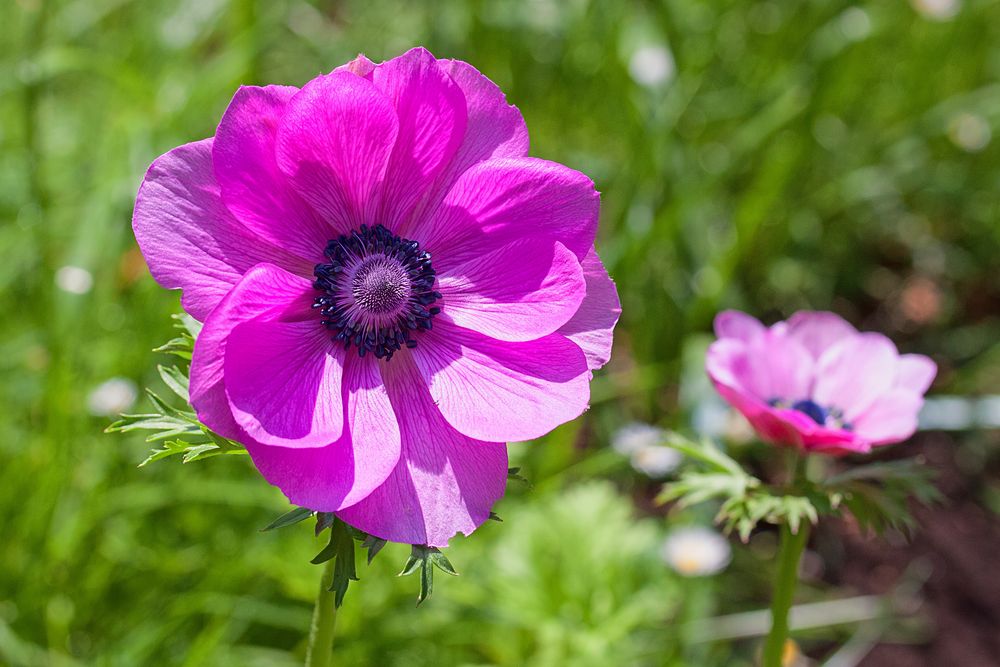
377	290
827	416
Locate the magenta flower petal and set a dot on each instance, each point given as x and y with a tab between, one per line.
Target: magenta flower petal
283	380
816	383
189	238
494	129
346	471
445	482
540	288
838	381
360	66
264	289
253	188
333	145
818	331
432	116
734	324
503	200
592	326
776	365
891	418
499	391
915	373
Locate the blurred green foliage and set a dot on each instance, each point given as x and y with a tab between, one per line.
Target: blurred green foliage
765	155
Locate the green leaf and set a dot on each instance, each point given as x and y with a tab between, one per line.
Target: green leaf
373	545
706	453
324	520
515	474
344	568
170	448
182	346
187	324
167	409
292	516
878	495
692	488
424	559
189	452
176	380
341	548
166	426
442	563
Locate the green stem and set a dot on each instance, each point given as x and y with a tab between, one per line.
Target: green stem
789	554
319	652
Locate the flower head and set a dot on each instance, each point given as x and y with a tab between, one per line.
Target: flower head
816	383
696	551
390	288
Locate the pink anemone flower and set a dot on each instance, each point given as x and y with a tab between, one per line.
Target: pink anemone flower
391	289
816	383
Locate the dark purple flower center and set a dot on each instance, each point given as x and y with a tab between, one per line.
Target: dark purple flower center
377	291
828	416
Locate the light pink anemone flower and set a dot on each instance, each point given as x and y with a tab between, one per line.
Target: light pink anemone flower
816	383
391	289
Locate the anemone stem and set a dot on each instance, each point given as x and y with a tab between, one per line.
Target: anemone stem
319	651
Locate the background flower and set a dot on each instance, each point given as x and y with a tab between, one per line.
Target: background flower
696	551
815	382
634	436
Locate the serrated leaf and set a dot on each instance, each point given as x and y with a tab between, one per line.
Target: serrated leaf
705	452
175	379
199	452
147	422
442	563
324	520
188	324
424	559
344	568
411	565
167	409
426	582
697	487
514	473
373	545
878	494
171	448
166	426
182	346
328	552
289	518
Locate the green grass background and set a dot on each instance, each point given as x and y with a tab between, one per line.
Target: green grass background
800	154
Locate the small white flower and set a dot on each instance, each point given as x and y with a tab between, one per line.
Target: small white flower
74	280
696	551
970	132
652	66
632	437
112	397
937	10
655	460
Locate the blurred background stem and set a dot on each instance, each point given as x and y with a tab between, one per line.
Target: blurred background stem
319	652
